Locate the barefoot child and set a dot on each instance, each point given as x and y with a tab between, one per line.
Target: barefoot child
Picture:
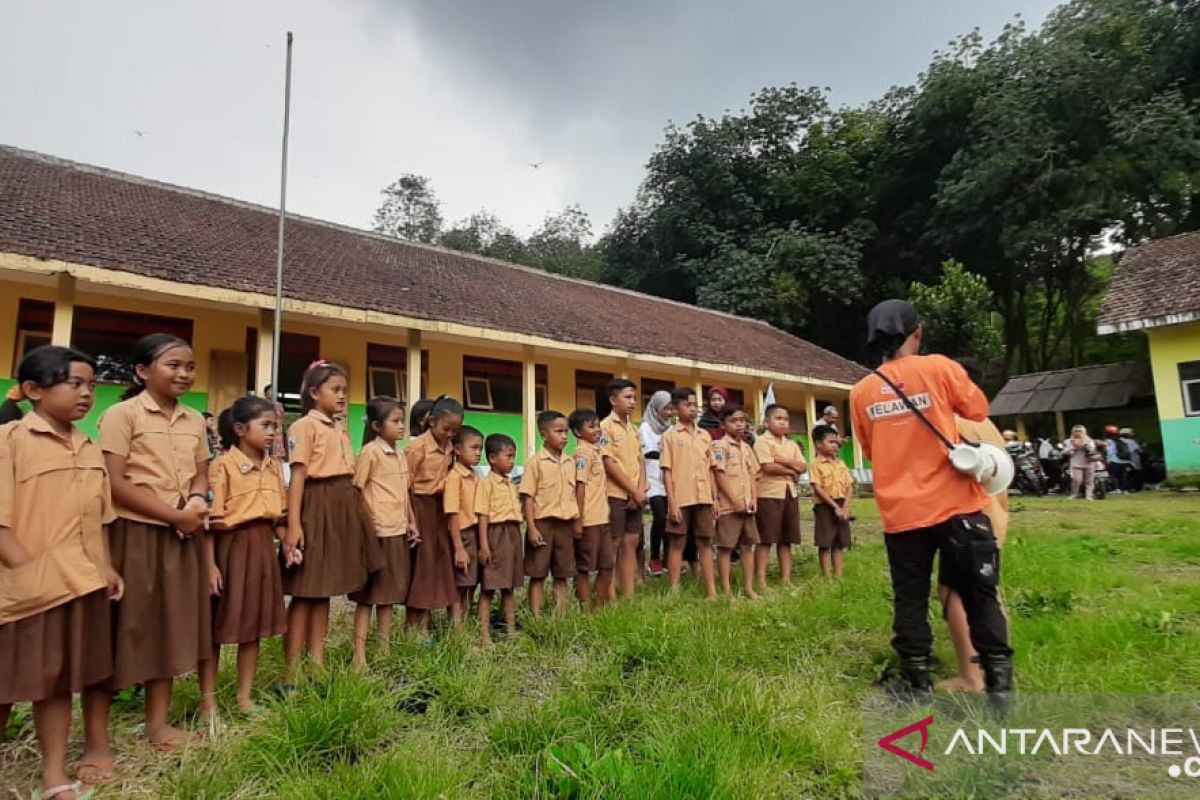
461	519
781	464
56	580
551	508
593	544
499	511
735	469
429	456
248	505
381	474
832	489
620	446
687	464
330	545
156	451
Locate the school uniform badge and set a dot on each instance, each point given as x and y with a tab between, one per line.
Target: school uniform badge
581	462
291	443
604	440
718	455
243	468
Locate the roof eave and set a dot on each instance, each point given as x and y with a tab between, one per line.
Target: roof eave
1145	323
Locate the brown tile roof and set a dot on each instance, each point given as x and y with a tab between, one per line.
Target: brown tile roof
1079	389
1156	283
55	209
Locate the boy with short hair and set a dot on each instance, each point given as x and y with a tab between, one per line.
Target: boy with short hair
687	463
781	464
593	542
551	509
499	509
620	447
735	469
832	489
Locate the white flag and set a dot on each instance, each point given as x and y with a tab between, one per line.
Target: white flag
769	399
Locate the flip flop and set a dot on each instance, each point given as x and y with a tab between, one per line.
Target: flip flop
76	788
173	745
95	773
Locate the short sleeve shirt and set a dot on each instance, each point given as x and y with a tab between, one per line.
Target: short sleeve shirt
461	488
550	481
997	507
54	499
736	459
589	470
163	451
322	445
687	454
381	472
428	464
245	490
496	498
620	442
832	475
768	448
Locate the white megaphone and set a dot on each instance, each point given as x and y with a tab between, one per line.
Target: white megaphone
986	463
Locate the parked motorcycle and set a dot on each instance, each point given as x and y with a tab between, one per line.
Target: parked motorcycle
1028	478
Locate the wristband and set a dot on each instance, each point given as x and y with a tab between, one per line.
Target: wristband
201	495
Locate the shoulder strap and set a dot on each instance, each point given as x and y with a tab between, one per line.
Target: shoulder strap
916	411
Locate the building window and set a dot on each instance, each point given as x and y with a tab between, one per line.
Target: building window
590	391
387	371
492	384
1189	381
652	385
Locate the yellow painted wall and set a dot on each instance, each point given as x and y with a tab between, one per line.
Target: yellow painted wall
1169	346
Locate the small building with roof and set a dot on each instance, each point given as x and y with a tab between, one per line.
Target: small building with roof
97	259
1156	289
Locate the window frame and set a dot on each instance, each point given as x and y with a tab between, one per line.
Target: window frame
470	401
397	375
1184	385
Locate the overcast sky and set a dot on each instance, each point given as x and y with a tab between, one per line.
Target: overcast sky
467	93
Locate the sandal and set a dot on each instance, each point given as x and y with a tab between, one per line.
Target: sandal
95	773
173	744
76	788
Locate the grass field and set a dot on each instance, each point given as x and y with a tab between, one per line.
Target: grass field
676	697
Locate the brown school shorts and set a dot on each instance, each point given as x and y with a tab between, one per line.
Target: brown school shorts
557	556
594	550
778	521
622	519
505	569
828	530
697	519
468	578
735	529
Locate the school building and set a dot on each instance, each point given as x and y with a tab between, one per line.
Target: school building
1156	289
96	259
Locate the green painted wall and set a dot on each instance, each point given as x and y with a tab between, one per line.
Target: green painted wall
108	395
1181	444
488	423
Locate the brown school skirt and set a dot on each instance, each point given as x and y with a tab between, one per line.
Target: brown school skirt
468	578
163	625
250	606
778	521
505	570
59	651
433	583
389	586
340	546
828	530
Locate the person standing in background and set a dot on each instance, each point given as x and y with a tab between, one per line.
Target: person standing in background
279	450
656	419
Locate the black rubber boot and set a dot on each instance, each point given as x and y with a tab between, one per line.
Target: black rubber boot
915	686
998	677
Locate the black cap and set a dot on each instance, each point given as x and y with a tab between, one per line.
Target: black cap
891	320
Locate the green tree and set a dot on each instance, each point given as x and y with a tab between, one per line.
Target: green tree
563	244
484	234
410	210
957	314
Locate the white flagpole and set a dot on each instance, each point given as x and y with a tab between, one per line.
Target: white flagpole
287	109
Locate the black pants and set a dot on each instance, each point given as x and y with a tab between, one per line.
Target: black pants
1119	474
971	560
658	528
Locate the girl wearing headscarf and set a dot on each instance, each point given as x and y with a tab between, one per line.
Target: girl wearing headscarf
656	419
714	401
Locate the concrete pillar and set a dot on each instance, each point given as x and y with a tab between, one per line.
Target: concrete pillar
529	399
412	368
1060	425
810	418
262	358
64	310
760	391
1022	434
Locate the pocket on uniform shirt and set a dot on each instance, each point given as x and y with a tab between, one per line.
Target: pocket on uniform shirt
38	583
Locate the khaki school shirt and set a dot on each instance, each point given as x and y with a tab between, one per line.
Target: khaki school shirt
244	490
550	481
736	459
496	498
428	464
589	470
322	445
832	475
620	442
55	500
163	452
687	454
461	487
767	448
381	473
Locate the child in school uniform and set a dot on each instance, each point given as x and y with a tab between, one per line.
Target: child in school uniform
551	508
620	447
780	465
735	470
833	488
499	512
593	544
156	451
56	579
248	505
330	547
687	463
461	519
429	457
381	474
